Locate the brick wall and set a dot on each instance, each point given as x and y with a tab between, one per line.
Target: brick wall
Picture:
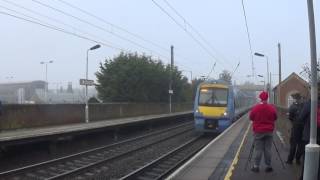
292	85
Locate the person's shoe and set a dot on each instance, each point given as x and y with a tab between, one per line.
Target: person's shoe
255	169
298	162
269	169
289	162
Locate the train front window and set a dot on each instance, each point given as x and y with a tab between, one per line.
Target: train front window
213	97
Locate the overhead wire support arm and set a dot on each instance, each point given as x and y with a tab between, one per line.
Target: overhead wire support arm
235	69
214	65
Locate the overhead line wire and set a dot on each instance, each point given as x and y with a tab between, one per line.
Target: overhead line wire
113	25
98	27
190	34
59	29
248	35
196	31
50	18
117	27
47	25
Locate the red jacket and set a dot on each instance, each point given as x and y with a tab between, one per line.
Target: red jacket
263	117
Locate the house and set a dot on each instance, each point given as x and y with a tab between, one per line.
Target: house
291	85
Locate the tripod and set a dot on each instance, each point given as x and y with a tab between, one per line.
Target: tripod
251	152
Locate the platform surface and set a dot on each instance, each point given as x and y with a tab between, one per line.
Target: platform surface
289	172
202	165
19	134
225	158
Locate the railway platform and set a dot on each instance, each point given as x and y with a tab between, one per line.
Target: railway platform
22	136
227	155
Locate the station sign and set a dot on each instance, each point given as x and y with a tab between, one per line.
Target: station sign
86	82
170	91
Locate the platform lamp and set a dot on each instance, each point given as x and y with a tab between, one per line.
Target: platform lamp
46	87
87	107
268	83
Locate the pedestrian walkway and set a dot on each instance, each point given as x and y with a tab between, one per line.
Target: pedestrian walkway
238	170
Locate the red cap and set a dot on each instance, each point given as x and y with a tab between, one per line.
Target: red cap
263	96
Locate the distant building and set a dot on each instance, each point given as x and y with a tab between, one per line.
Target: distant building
69	97
33	92
22	92
69	89
291	85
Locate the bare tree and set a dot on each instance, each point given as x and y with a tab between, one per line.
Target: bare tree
306	71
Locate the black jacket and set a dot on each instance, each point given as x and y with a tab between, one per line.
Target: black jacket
294	112
304	118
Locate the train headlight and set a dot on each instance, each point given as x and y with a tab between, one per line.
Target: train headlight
225	114
197	112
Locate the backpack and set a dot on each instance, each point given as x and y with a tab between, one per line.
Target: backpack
318	116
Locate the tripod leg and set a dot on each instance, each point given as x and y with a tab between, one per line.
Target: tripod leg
250	155
278	154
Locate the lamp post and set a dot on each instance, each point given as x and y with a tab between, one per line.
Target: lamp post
46	87
311	162
87	107
264	82
268	82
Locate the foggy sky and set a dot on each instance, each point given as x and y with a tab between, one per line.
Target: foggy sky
24	45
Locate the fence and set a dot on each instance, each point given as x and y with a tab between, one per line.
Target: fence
16	116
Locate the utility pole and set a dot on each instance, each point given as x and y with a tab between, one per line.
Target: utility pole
170	83
311	162
279	56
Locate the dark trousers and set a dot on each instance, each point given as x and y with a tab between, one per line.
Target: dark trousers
296	144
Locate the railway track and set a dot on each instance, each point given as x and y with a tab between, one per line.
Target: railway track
163	166
93	162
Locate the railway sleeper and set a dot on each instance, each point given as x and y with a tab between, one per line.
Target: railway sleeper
174	159
89	174
152	174
168	162
35	176
144	178
164	166
79	162
157	169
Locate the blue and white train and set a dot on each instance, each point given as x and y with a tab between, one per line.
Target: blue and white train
218	104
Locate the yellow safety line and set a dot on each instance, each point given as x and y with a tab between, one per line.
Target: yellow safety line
236	158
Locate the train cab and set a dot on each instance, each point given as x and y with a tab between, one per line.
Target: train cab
214	107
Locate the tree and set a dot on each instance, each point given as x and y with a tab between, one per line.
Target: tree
93	100
195	84
225	76
130	77
306	71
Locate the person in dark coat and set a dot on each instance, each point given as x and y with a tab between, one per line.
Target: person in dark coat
263	117
304	118
296	144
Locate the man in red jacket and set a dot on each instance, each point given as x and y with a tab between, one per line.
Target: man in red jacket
263	116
